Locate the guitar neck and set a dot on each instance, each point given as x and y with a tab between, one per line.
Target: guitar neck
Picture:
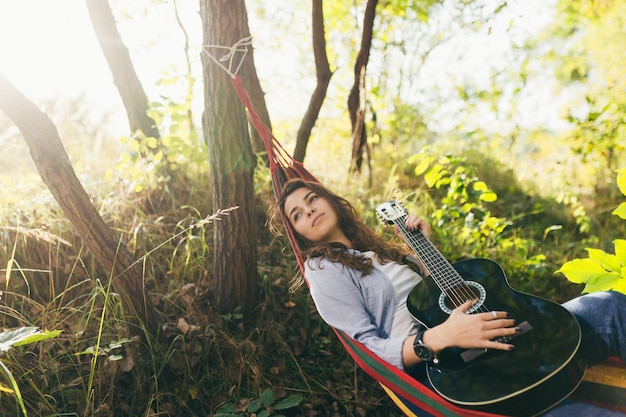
437	265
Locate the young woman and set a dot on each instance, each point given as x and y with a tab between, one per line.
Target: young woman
360	282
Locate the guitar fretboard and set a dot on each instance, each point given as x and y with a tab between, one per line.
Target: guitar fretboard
442	272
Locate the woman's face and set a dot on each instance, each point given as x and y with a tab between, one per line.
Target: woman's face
313	217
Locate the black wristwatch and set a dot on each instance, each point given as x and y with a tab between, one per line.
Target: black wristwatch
422	350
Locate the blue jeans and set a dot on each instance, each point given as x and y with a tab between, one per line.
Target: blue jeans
602	318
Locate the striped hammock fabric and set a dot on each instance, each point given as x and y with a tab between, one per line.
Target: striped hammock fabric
409	394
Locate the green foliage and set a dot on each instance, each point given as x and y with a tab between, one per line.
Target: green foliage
264	406
109	351
24	336
149	163
588	51
462	216
20	337
602	271
578	210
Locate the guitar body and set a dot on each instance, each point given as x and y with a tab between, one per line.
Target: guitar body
543	369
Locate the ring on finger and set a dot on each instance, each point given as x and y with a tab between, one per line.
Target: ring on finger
494	314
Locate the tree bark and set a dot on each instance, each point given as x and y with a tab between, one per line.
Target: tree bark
58	174
226	131
323	80
124	76
356	106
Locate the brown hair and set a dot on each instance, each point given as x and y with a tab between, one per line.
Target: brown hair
362	237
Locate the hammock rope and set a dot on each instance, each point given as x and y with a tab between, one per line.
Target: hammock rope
227	61
409	394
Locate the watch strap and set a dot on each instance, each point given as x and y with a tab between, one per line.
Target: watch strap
423	351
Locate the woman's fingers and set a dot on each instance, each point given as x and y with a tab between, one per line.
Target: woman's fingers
494	330
415	223
481	330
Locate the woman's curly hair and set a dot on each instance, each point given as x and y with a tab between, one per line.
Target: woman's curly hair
362	237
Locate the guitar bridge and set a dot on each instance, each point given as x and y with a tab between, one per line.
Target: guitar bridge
471	354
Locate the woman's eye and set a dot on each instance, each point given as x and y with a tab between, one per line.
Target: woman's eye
313	198
296	217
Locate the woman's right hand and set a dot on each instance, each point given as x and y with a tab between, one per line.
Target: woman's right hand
471	331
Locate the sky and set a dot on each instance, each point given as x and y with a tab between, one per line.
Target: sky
48	49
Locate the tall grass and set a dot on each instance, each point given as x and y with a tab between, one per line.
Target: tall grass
202	361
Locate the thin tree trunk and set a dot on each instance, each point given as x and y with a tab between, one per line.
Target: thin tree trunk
190	78
58	174
226	131
356	106
124	75
323	80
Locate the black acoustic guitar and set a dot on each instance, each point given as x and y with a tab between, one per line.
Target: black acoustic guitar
545	366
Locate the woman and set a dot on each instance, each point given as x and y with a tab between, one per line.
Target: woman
360	283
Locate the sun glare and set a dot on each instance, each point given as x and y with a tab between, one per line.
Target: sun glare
46	47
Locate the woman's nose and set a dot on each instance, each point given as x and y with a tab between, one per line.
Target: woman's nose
311	210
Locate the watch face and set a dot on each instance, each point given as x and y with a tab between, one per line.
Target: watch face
423	352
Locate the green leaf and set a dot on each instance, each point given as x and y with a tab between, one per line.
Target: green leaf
267	397
422	166
605	260
620	285
581	271
254	406
433	175
489	197
151	142
602	283
620	211
11	338
118	343
481	186
37	337
91	350
620	251
443	181
291	401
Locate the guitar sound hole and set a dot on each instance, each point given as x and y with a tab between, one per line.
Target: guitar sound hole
451	298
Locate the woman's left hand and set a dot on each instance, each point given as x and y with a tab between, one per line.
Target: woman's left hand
414	223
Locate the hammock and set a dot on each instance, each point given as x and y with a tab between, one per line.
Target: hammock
410	395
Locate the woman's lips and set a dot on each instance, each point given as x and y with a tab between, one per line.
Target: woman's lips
316	219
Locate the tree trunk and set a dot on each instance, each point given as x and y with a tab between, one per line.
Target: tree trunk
124	75
226	131
58	174
356	106
323	80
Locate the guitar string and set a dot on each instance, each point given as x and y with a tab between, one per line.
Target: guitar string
448	280
435	267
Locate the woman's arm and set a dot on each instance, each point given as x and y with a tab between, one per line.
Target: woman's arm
361	307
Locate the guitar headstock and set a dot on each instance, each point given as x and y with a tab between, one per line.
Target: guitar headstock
390	211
